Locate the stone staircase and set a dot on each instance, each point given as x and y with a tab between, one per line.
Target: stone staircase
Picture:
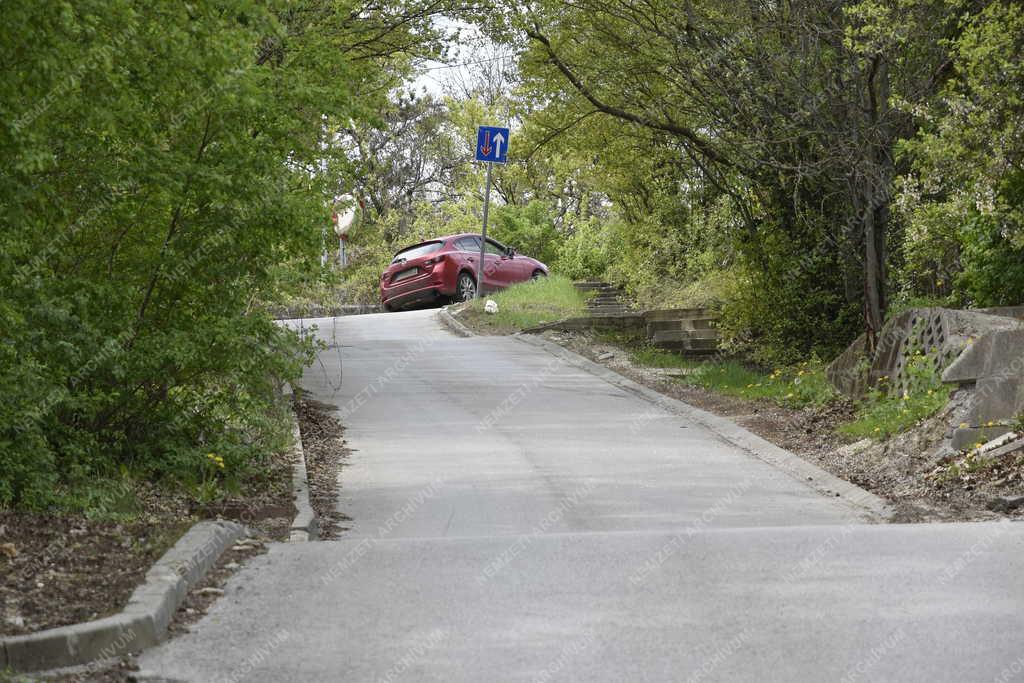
607	299
689	331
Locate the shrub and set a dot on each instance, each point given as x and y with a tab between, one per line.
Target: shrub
587	252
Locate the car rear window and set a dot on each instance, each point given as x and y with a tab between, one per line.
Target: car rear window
417	251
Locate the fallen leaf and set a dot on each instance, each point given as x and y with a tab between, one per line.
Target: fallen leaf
9	550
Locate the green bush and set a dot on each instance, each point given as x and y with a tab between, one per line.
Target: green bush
155	176
587	252
530	229
993	266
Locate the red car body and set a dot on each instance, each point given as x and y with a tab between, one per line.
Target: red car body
438	269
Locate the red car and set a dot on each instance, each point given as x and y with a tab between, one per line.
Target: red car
446	269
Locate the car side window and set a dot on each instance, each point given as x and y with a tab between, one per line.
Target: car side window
494	248
468	244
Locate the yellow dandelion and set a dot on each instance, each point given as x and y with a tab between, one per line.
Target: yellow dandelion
878	429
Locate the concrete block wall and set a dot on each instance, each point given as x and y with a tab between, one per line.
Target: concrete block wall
993	369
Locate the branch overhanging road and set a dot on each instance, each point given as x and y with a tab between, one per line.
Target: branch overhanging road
517	518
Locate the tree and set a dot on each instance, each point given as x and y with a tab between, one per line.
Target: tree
782	108
163	157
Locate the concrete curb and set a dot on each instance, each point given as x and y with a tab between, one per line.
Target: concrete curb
449	321
142	623
306	525
809	474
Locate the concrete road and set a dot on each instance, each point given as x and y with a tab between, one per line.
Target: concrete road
518	517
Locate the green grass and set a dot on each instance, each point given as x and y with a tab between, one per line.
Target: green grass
526	305
883	413
797	386
879	417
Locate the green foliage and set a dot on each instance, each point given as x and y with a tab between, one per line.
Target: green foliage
789	309
797	386
963	203
526	305
587	252
885	411
993	266
156	175
530	229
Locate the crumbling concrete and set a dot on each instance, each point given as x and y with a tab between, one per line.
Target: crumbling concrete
982	352
993	368
941	334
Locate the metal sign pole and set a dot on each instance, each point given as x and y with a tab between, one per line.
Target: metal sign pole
483	240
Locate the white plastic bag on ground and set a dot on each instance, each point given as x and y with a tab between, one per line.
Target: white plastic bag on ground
491	306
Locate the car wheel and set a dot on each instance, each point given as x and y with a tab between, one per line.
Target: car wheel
465	288
538	274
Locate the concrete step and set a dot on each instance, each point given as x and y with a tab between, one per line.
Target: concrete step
678	314
693	347
687	324
684	335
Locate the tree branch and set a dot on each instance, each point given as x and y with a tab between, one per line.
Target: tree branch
693	140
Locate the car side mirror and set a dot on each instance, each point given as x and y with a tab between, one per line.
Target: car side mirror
510	252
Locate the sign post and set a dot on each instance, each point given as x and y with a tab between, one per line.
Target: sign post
491	147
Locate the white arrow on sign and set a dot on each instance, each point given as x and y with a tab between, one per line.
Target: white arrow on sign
499	140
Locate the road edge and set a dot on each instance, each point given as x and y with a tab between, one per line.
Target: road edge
144	620
306	525
820	480
453	325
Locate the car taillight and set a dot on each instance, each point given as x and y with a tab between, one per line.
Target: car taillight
431	262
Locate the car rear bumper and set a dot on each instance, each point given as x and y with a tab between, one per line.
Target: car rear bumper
413	297
417	289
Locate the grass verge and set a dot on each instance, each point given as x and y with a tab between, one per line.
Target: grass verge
798	386
880	417
526	305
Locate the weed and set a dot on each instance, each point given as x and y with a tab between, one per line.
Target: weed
886	410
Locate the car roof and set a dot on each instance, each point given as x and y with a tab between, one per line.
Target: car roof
461	235
445	238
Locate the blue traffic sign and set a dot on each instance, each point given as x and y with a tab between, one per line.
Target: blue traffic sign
491	144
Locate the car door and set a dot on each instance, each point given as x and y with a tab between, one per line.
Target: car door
497	267
469	252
